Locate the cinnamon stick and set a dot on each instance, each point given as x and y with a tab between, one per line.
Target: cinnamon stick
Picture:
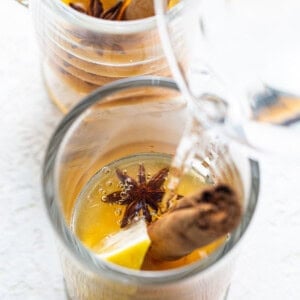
139	9
196	221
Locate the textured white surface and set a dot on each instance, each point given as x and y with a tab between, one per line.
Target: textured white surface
268	268
29	267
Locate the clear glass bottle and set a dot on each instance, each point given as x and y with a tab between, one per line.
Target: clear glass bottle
251	48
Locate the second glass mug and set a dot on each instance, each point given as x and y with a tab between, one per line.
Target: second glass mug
81	53
125	118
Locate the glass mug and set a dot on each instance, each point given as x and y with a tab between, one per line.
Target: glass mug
132	117
249	50
81	53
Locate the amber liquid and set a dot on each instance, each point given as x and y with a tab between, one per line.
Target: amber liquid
93	219
109	3
106	3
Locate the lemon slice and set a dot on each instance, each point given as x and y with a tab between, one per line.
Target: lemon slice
172	3
127	247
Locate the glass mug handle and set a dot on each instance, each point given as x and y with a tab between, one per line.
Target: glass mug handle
23	2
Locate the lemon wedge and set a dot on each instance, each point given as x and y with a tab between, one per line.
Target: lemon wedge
172	3
127	247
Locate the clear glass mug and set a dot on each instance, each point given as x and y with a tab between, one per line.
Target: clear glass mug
245	56
129	117
81	53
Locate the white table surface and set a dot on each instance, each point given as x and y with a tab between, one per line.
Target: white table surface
269	265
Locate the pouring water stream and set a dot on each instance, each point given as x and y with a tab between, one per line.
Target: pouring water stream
256	127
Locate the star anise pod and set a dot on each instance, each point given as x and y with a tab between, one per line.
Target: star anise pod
113	12
79	7
140	195
96	10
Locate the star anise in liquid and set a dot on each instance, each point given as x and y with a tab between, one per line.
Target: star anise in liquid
96	10
140	195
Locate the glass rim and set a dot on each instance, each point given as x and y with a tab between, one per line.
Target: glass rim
102	25
67	237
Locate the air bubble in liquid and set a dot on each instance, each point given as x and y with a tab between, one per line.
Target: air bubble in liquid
130	186
123	195
106	170
118	211
109	183
104	198
127	181
136	218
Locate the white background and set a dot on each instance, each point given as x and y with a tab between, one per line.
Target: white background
269	265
